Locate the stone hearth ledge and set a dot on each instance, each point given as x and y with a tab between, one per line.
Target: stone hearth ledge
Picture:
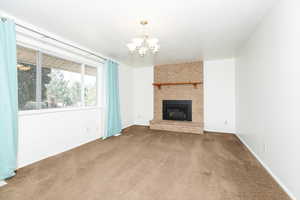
177	126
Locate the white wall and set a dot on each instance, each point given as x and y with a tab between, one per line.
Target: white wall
219	95
126	95
143	94
45	134
268	97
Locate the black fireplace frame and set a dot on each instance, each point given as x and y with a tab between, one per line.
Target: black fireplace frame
166	104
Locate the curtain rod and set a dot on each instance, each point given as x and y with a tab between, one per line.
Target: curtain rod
54	39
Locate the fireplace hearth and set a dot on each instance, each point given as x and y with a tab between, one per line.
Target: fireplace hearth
179	110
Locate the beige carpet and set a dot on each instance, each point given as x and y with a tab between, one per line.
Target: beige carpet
148	165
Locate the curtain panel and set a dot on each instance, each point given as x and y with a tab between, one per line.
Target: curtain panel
8	99
112	119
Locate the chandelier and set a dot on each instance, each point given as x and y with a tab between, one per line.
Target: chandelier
143	43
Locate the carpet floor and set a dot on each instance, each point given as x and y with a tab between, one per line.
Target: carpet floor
143	164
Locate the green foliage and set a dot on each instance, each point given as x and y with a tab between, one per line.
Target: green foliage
27	86
90	94
61	92
56	90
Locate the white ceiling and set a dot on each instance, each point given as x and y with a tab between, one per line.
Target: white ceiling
187	29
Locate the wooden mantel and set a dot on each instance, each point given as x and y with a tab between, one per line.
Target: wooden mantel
177	83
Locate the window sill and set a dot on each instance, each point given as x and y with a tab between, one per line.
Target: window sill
56	110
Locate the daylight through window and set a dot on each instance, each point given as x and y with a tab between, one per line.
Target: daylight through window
90	86
46	81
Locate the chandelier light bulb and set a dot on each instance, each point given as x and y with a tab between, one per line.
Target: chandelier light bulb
152	42
143	51
155	49
138	41
131	47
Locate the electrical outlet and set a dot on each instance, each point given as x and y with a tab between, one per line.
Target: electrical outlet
225	122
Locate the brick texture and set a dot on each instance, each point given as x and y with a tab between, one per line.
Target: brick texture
184	72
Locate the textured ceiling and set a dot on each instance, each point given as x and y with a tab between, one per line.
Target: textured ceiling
187	30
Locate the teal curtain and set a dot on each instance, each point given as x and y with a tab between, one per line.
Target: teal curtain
112	108
8	99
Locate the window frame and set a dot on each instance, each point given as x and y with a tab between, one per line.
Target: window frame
40	52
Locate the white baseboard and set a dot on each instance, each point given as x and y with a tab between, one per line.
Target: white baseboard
127	125
2	183
142	122
219	131
268	169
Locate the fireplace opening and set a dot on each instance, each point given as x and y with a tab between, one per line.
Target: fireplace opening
180	110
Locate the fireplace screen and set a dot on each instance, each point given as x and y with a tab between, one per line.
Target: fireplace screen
180	110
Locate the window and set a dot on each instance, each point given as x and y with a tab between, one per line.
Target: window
47	81
61	82
26	66
90	86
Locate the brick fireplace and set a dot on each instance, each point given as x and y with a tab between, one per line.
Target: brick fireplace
180	85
